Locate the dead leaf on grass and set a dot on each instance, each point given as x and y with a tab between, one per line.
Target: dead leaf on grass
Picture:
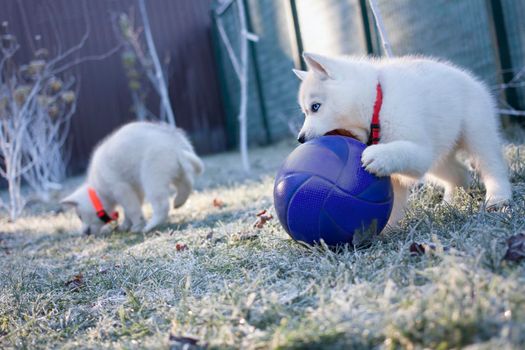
416	249
180	342
262	218
180	247
516	248
218	203
76	282
422	248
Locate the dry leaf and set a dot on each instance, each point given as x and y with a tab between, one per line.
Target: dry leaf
262	218
180	247
516	248
76	282
422	248
217	203
417	249
179	342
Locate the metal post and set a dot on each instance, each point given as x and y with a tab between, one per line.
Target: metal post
366	27
298	37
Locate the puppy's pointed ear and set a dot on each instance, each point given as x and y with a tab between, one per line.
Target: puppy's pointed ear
319	64
301	74
72	199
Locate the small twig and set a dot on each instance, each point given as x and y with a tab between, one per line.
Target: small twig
231	54
98	57
513	112
156	62
381	28
223	7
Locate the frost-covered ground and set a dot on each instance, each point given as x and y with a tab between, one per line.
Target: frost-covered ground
237	287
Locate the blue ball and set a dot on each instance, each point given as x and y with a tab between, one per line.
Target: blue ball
323	192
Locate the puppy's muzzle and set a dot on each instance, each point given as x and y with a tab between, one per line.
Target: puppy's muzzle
301	138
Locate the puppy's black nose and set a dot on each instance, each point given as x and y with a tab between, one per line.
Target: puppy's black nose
301	138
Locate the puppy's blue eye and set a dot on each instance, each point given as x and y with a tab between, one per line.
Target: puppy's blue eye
315	107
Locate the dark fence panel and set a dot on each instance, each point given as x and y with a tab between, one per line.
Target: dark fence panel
180	28
513	11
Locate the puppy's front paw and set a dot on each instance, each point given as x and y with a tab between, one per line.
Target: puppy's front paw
137	227
106	230
149	226
125	225
376	161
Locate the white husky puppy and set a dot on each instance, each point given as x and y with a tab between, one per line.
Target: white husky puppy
139	162
429	111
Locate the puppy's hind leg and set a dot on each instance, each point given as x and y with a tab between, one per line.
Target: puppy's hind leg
401	191
126	224
157	192
161	206
451	174
483	143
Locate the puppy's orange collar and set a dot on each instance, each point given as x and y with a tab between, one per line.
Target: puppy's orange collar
102	214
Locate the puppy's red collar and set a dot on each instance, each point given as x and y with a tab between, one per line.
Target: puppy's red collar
102	214
375	126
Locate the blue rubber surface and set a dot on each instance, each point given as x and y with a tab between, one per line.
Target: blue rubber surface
323	192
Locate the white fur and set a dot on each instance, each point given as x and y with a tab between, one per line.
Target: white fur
430	111
139	162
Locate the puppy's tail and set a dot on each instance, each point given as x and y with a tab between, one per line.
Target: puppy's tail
191	165
195	162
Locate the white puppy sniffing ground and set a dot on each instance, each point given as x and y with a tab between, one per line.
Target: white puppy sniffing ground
429	111
140	162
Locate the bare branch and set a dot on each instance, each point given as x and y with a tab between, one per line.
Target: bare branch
517	81
381	28
223	6
163	89
142	57
86	59
49	10
513	112
81	43
240	65
231	54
